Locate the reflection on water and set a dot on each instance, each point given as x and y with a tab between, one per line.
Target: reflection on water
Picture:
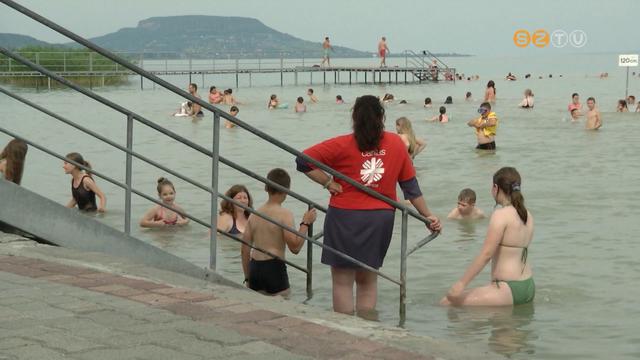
508	327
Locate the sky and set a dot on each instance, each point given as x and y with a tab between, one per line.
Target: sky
462	26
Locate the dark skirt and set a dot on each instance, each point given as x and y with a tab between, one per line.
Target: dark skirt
364	235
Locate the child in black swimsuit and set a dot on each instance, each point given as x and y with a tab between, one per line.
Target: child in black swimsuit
83	189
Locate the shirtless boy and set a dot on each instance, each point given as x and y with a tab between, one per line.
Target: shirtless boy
466	209
594	121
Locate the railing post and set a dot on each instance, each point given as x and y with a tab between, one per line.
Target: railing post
281	69
237	71
213	246
310	261
406	58
403	267
128	174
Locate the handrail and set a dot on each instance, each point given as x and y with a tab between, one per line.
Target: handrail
216	158
206	105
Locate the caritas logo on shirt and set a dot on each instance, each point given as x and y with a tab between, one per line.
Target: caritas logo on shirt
372	170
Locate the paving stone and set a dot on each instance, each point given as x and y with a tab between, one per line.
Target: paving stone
40	310
35	352
13	342
150	352
85	328
257	347
114	319
193	311
66	343
155	299
159	337
210	332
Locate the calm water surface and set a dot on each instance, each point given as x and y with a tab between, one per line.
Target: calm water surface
581	187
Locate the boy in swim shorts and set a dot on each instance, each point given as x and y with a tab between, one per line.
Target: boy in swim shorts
264	273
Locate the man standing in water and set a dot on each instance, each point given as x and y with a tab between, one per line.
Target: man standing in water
326	47
486	126
594	121
383	49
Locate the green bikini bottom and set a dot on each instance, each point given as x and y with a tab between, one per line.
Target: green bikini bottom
522	291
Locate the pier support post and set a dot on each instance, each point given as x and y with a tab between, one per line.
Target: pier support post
349	77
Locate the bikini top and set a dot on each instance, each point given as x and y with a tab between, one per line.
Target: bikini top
525	253
234	229
160	216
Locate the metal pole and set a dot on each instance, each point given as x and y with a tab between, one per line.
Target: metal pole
281	69
215	161
237	76
324	77
626	90
310	261
349	77
128	174
403	267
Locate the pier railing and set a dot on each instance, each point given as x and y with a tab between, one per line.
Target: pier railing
214	154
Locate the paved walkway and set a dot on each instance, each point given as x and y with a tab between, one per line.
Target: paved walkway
52	310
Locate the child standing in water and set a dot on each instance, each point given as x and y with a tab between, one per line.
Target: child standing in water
506	245
12	160
443	117
83	189
486	126
466	208
273	102
300	106
594	121
159	216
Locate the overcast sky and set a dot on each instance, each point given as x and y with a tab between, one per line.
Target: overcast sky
463	26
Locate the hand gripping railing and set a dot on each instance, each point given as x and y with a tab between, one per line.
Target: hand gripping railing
215	153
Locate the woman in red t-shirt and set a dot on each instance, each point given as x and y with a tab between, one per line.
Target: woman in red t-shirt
357	224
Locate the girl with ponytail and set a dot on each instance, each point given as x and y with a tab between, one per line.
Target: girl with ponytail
83	189
506	245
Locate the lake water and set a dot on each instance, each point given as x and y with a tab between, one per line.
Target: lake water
581	187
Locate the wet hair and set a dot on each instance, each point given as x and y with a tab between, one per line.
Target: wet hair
592	99
508	181
632	97
486	105
273	96
427	101
623	103
405	128
326	38
368	122
228	207
387	96
234	108
467	95
448	100
574	95
14	154
443	110
338	97
310	91
528	92
212	88
280	177
195	87
162	182
229	91
300	99
468	79
467	195
74	156
491	84
403	101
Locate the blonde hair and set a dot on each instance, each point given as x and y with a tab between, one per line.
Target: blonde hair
405	128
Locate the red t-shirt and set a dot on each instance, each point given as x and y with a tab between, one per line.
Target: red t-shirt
380	170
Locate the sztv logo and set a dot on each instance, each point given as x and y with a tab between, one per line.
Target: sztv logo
542	38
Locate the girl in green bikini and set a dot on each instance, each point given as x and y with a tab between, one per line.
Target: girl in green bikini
506	245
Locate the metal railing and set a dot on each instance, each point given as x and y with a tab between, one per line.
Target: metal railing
216	159
426	62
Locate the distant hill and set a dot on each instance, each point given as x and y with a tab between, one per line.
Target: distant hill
17	41
202	36
213	35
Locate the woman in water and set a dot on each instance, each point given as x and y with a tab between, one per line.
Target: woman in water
506	246
232	219
12	160
527	102
622	106
490	93
414	144
83	189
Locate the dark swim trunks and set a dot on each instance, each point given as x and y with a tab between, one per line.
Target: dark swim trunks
269	276
487	146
